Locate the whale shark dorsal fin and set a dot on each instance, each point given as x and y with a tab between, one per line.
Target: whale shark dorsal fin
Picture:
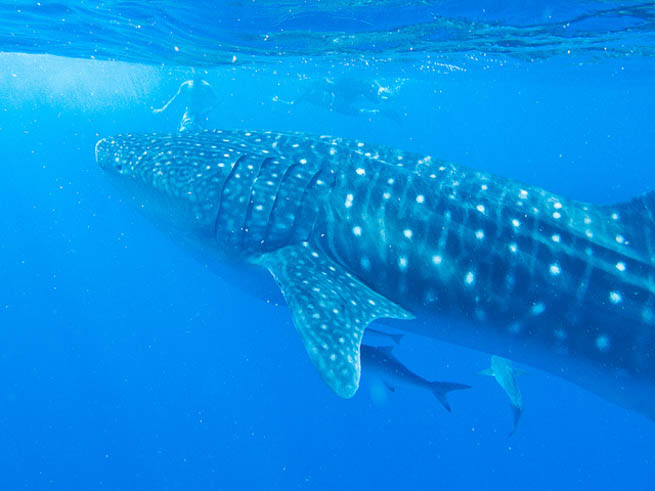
330	309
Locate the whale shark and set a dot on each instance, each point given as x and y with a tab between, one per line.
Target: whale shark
352	232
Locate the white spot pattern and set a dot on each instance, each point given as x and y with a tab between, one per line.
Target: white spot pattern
603	343
616	297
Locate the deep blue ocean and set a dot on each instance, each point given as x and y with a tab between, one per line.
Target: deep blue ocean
127	365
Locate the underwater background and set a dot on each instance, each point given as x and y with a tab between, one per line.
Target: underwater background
125	364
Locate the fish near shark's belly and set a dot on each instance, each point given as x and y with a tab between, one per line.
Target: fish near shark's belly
511	267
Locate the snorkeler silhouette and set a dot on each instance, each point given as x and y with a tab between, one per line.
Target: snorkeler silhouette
350	96
199	101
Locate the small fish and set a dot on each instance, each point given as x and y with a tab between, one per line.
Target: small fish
381	362
505	374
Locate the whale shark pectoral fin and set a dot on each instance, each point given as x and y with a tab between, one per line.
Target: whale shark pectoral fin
487	371
330	309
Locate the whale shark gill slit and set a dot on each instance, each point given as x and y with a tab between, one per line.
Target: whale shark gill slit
318	187
258	207
279	227
232	209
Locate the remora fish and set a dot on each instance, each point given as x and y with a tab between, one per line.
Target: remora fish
380	362
354	232
505	374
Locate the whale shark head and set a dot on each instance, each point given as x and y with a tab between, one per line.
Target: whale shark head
174	182
109	155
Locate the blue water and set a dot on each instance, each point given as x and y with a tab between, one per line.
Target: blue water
125	365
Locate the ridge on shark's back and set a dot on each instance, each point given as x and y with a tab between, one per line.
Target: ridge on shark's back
353	232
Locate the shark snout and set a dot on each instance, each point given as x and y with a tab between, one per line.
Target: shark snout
109	155
102	153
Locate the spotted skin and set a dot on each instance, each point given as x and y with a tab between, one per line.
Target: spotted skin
331	309
448	240
523	272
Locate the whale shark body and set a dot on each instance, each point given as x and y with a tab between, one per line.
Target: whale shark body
353	232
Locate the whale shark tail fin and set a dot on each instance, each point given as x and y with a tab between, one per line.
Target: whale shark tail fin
441	389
